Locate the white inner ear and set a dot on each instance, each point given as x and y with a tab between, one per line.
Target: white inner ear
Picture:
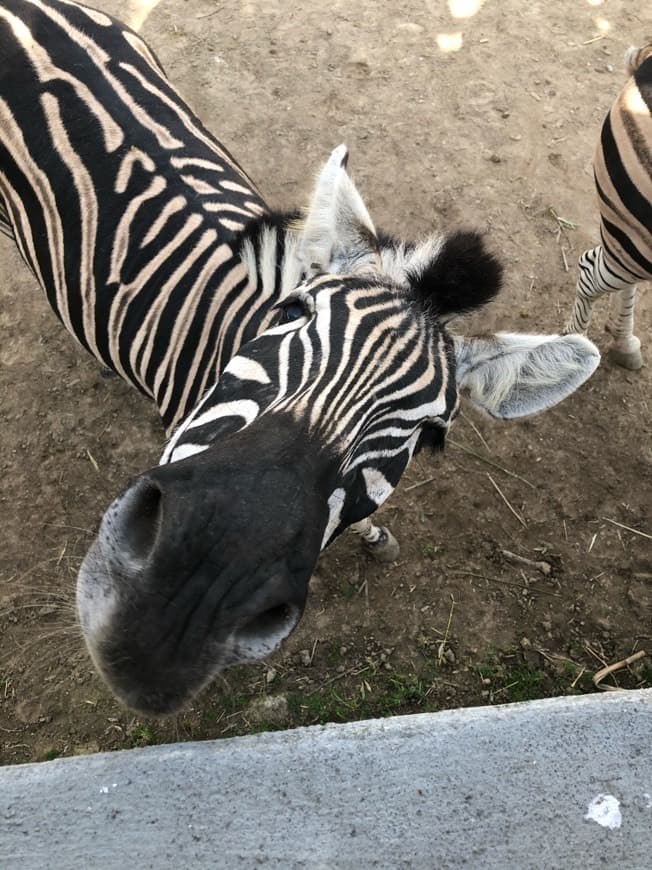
337	233
510	375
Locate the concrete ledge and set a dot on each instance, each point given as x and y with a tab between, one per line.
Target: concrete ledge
492	787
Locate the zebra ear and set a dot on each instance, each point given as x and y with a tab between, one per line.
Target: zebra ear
511	375
337	233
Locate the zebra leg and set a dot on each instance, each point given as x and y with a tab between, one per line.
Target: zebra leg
589	287
378	540
626	348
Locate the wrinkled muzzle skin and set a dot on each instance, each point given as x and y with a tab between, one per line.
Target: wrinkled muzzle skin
205	561
201	564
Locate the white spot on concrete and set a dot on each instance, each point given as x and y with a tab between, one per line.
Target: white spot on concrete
104	789
648	799
605	810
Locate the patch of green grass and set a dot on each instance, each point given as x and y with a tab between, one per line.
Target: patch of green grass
141	735
644	674
429	551
332	654
381	694
525	683
404	691
51	754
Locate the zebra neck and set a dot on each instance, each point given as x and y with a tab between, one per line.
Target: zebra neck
269	254
240	300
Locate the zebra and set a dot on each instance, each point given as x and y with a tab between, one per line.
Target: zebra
622	168
298	359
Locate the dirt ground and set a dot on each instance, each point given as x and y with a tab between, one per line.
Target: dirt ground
487	120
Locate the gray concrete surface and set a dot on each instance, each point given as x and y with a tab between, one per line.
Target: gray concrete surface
494	787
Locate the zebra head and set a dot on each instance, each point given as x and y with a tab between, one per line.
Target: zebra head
204	561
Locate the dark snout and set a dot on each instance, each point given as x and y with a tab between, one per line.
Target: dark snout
198	565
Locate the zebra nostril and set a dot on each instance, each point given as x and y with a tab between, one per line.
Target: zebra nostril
264	633
138	519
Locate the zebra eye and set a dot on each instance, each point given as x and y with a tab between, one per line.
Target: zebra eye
293	310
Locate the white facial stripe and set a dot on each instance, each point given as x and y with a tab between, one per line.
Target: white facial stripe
247	370
245	408
335	508
183	451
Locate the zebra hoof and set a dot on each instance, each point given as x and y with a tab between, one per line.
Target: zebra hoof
632	360
386	548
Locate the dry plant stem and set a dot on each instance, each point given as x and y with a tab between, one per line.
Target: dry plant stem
604	672
355	671
504	498
442	645
628	528
506	583
419	483
477	432
490	462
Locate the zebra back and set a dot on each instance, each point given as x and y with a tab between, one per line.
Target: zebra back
125	208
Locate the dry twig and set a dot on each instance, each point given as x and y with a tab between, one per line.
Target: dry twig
544	567
628	528
598	676
504	498
490	462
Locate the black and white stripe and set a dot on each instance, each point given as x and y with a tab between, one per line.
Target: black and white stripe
623	177
126	209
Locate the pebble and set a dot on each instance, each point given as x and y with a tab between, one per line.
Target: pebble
271	708
410	27
86	748
449	655
525	643
305	657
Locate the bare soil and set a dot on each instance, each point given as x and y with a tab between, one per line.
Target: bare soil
497	134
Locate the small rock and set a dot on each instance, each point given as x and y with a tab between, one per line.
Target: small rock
495	158
270	675
344	650
271	708
86	748
29	712
449	655
525	643
316	583
305	658
410	27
